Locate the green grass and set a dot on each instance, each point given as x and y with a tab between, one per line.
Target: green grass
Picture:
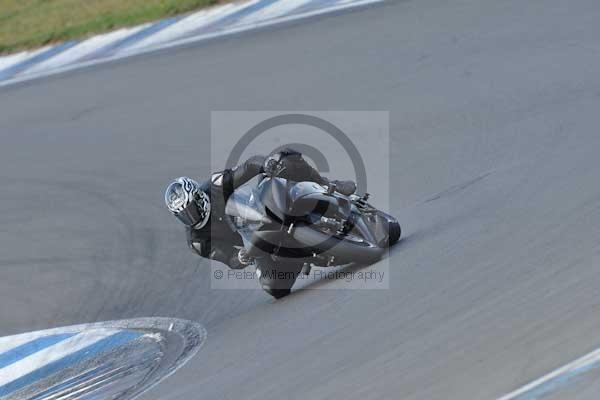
26	24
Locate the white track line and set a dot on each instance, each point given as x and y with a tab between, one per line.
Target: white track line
84	48
53	353
248	27
188	24
274	10
14	59
576	367
11	342
205	36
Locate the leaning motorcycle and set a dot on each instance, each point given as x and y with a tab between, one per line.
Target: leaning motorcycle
290	227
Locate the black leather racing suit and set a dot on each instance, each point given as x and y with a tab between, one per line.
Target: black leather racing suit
216	240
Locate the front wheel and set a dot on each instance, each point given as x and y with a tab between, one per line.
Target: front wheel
394	231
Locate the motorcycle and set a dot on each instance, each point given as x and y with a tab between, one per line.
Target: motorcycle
290	227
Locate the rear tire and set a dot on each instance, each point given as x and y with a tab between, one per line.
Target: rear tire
277	279
278	293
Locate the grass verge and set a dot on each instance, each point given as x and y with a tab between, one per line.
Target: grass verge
26	24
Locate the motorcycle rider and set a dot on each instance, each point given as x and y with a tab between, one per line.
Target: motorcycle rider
201	206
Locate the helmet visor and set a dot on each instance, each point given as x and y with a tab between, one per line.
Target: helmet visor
176	198
191	215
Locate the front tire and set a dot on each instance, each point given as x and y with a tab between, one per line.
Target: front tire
394	231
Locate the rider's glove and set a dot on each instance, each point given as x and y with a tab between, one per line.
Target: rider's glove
344	187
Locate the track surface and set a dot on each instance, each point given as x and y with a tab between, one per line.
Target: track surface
495	108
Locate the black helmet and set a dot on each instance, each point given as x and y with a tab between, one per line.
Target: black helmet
188	202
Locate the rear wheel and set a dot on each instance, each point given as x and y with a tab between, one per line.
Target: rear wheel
277	279
278	293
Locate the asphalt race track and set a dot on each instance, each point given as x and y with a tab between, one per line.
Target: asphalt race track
495	109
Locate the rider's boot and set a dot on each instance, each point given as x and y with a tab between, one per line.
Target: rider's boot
244	258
